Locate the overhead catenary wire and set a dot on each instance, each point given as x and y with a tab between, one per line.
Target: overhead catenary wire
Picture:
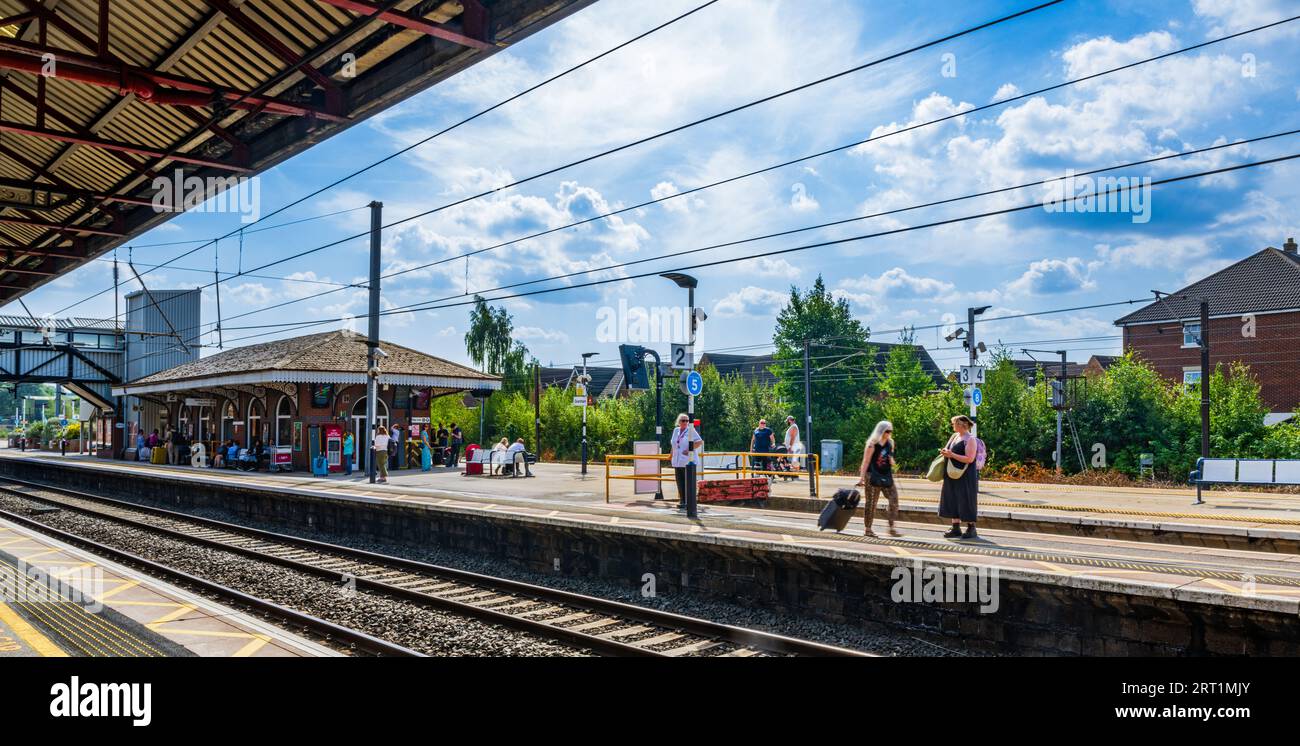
874	138
895	211
673	130
804	247
360	21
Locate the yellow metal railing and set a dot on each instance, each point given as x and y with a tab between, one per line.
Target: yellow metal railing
743	469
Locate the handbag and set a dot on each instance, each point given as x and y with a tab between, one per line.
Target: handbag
955	472
935	471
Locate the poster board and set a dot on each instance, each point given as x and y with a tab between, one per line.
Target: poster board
645	466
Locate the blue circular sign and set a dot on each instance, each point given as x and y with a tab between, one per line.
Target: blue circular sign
976	397
694	383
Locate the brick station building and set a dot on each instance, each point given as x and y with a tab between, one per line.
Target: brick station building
285	392
1254	308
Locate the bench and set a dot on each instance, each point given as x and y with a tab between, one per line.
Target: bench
1247	471
493	459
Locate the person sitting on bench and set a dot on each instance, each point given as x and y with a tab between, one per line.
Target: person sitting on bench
517	453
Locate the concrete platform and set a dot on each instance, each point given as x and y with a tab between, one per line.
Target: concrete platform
1109	596
58	601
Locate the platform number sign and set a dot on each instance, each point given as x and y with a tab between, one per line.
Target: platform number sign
683	357
692	383
972	375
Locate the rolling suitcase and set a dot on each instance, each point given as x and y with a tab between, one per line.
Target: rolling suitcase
839	510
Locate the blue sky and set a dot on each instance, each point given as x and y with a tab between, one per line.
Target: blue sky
739	50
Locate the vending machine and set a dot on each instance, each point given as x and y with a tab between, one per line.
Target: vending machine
333	434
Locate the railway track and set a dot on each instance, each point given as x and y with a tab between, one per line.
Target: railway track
601	625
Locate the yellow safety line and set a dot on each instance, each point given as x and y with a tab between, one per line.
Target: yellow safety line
180	611
253	646
123	584
109	635
1124	511
29	634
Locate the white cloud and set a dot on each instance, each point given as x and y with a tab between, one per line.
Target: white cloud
1226	16
898	283
538	334
767	267
1156	252
1006	91
751	301
801	200
1051	276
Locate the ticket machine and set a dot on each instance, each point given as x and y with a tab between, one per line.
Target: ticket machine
333	435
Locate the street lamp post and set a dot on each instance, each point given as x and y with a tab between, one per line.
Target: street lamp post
585	380
690	283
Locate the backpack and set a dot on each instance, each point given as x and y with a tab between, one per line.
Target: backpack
981	455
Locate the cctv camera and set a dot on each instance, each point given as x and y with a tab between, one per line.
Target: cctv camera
380	352
700	315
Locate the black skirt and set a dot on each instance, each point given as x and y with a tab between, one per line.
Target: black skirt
958	499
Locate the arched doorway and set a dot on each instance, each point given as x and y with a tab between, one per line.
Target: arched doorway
284	422
362	439
256	413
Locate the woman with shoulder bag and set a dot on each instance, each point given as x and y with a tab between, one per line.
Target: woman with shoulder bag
957	499
877	475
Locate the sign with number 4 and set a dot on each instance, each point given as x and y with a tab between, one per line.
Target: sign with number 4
972	375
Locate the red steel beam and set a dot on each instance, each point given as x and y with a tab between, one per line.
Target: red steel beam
67	121
60	227
333	96
410	21
150	86
40	186
104	144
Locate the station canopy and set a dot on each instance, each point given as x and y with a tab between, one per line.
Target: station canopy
336	357
99	99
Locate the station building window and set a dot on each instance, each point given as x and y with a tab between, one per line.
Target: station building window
255	414
284	422
228	421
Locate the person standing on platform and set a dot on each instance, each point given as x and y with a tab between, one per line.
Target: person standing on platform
957	499
379	446
426	453
761	442
876	475
443	436
683	441
457	438
349	448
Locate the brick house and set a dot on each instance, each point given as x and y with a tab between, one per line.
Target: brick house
1254	315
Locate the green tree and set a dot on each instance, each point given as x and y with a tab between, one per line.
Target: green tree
488	341
903	374
840	359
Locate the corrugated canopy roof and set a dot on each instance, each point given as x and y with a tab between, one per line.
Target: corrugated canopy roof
219	87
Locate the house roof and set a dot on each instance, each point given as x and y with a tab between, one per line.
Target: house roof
604	381
75	323
1268	280
757	368
329	357
1052	368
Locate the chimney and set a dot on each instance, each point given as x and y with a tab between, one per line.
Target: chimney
1289	246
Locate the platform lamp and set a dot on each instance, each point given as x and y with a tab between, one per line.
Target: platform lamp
585	380
690	283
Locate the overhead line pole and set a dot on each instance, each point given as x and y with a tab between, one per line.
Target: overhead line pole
372	341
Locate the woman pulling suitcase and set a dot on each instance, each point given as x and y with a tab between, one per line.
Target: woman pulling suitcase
877	475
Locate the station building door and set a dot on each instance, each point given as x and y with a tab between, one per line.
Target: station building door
361	439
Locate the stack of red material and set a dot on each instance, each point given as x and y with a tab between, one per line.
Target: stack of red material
727	490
